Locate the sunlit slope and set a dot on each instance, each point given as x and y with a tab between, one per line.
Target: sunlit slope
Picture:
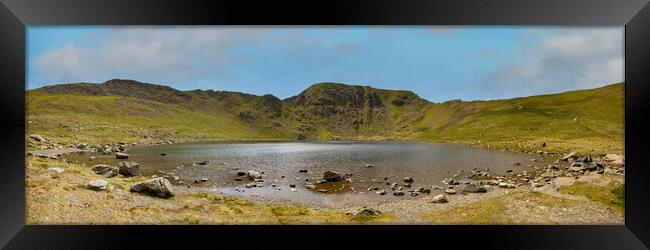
585	120
113	118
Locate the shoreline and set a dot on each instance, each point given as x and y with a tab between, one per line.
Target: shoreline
404	210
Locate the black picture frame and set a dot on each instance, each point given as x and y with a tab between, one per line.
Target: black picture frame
15	15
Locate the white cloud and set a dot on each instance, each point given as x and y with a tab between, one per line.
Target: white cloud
139	53
561	60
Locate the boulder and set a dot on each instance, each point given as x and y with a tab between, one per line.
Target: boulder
441	198
119	155
97	185
129	168
331	176
473	188
159	187
252	174
105	170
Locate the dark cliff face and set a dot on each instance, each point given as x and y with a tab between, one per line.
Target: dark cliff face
348	110
334	94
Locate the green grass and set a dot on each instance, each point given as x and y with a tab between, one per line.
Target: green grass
611	195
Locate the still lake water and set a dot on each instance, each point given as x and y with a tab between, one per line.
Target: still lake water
427	163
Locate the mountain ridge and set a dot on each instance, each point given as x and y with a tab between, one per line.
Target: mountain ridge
336	111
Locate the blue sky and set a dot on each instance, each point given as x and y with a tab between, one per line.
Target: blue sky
438	63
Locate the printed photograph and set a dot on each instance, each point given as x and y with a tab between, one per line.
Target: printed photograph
386	125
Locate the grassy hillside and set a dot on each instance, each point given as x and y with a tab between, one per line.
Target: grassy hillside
589	121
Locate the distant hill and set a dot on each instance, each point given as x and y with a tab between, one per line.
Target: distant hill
590	121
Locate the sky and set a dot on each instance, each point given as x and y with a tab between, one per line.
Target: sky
438	63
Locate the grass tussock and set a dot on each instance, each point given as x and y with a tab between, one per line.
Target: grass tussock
611	195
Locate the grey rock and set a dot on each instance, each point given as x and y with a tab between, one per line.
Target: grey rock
105	170
450	191
37	138
97	185
408	179
252	174
441	198
367	212
424	190
331	176
129	168
119	155
159	187
473	188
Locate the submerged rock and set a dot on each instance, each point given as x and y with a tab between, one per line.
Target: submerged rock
105	170
331	176
159	187
121	155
